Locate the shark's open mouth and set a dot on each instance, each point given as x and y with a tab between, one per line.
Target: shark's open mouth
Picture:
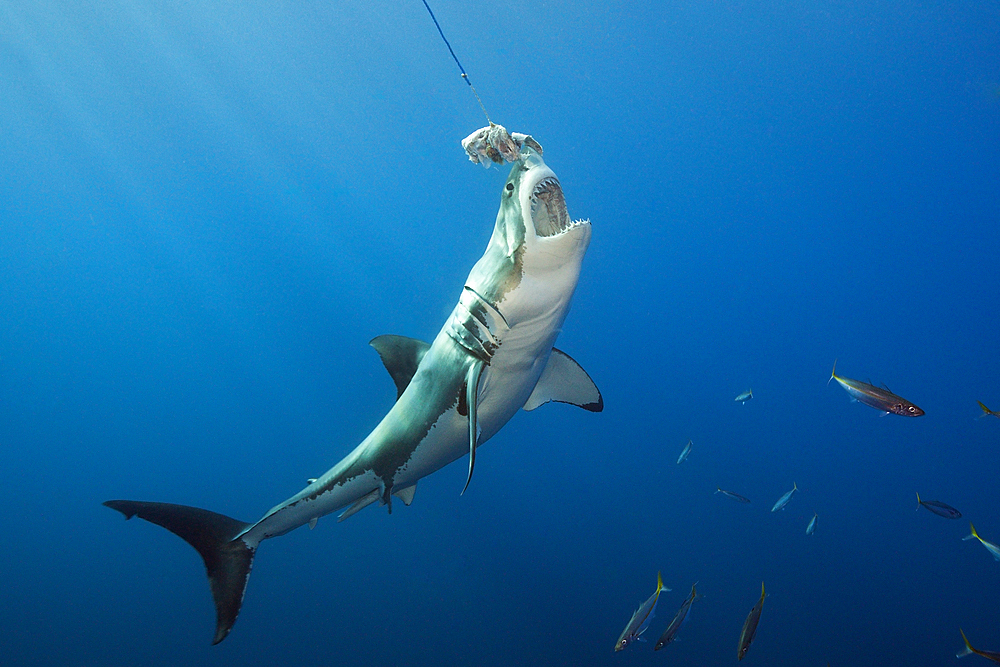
548	208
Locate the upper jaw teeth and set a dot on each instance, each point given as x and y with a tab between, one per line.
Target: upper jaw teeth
548	208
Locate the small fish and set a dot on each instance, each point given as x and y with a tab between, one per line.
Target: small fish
811	528
968	650
679	618
734	496
783	500
992	548
745	396
685	453
750	626
877	397
641	618
939	508
987	411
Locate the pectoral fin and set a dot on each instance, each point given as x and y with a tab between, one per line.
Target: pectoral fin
472	401
564	381
401	356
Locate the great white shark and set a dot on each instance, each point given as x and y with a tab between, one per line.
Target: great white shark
493	356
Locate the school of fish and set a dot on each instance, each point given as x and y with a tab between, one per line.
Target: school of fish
880	398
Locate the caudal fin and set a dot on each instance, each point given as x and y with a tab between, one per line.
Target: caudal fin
967	650
973	535
227	559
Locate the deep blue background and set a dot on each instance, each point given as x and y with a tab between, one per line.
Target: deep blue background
207	210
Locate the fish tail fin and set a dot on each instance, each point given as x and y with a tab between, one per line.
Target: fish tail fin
986	410
833	373
968	650
659	582
973	535
216	537
918	501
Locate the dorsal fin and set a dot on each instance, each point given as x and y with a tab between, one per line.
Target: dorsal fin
563	380
401	356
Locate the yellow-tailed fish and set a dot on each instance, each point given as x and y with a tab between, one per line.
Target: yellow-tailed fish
750	626
992	548
745	396
968	650
879	398
679	618
641	618
811	528
987	411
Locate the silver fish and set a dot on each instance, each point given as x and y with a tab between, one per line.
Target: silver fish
685	453
939	508
877	397
679	618
641	618
783	500
811	528
745	396
735	496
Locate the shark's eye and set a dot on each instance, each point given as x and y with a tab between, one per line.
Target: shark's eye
510	187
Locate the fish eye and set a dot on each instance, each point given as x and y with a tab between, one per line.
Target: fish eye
510	187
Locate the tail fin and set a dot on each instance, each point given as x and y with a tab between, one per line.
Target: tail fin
973	535
918	501
833	373
968	650
227	559
986	410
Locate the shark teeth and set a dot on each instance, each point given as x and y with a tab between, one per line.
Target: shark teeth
548	208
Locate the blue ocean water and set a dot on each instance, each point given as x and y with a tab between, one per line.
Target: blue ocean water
208	209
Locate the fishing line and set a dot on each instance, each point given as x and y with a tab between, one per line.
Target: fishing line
452	51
